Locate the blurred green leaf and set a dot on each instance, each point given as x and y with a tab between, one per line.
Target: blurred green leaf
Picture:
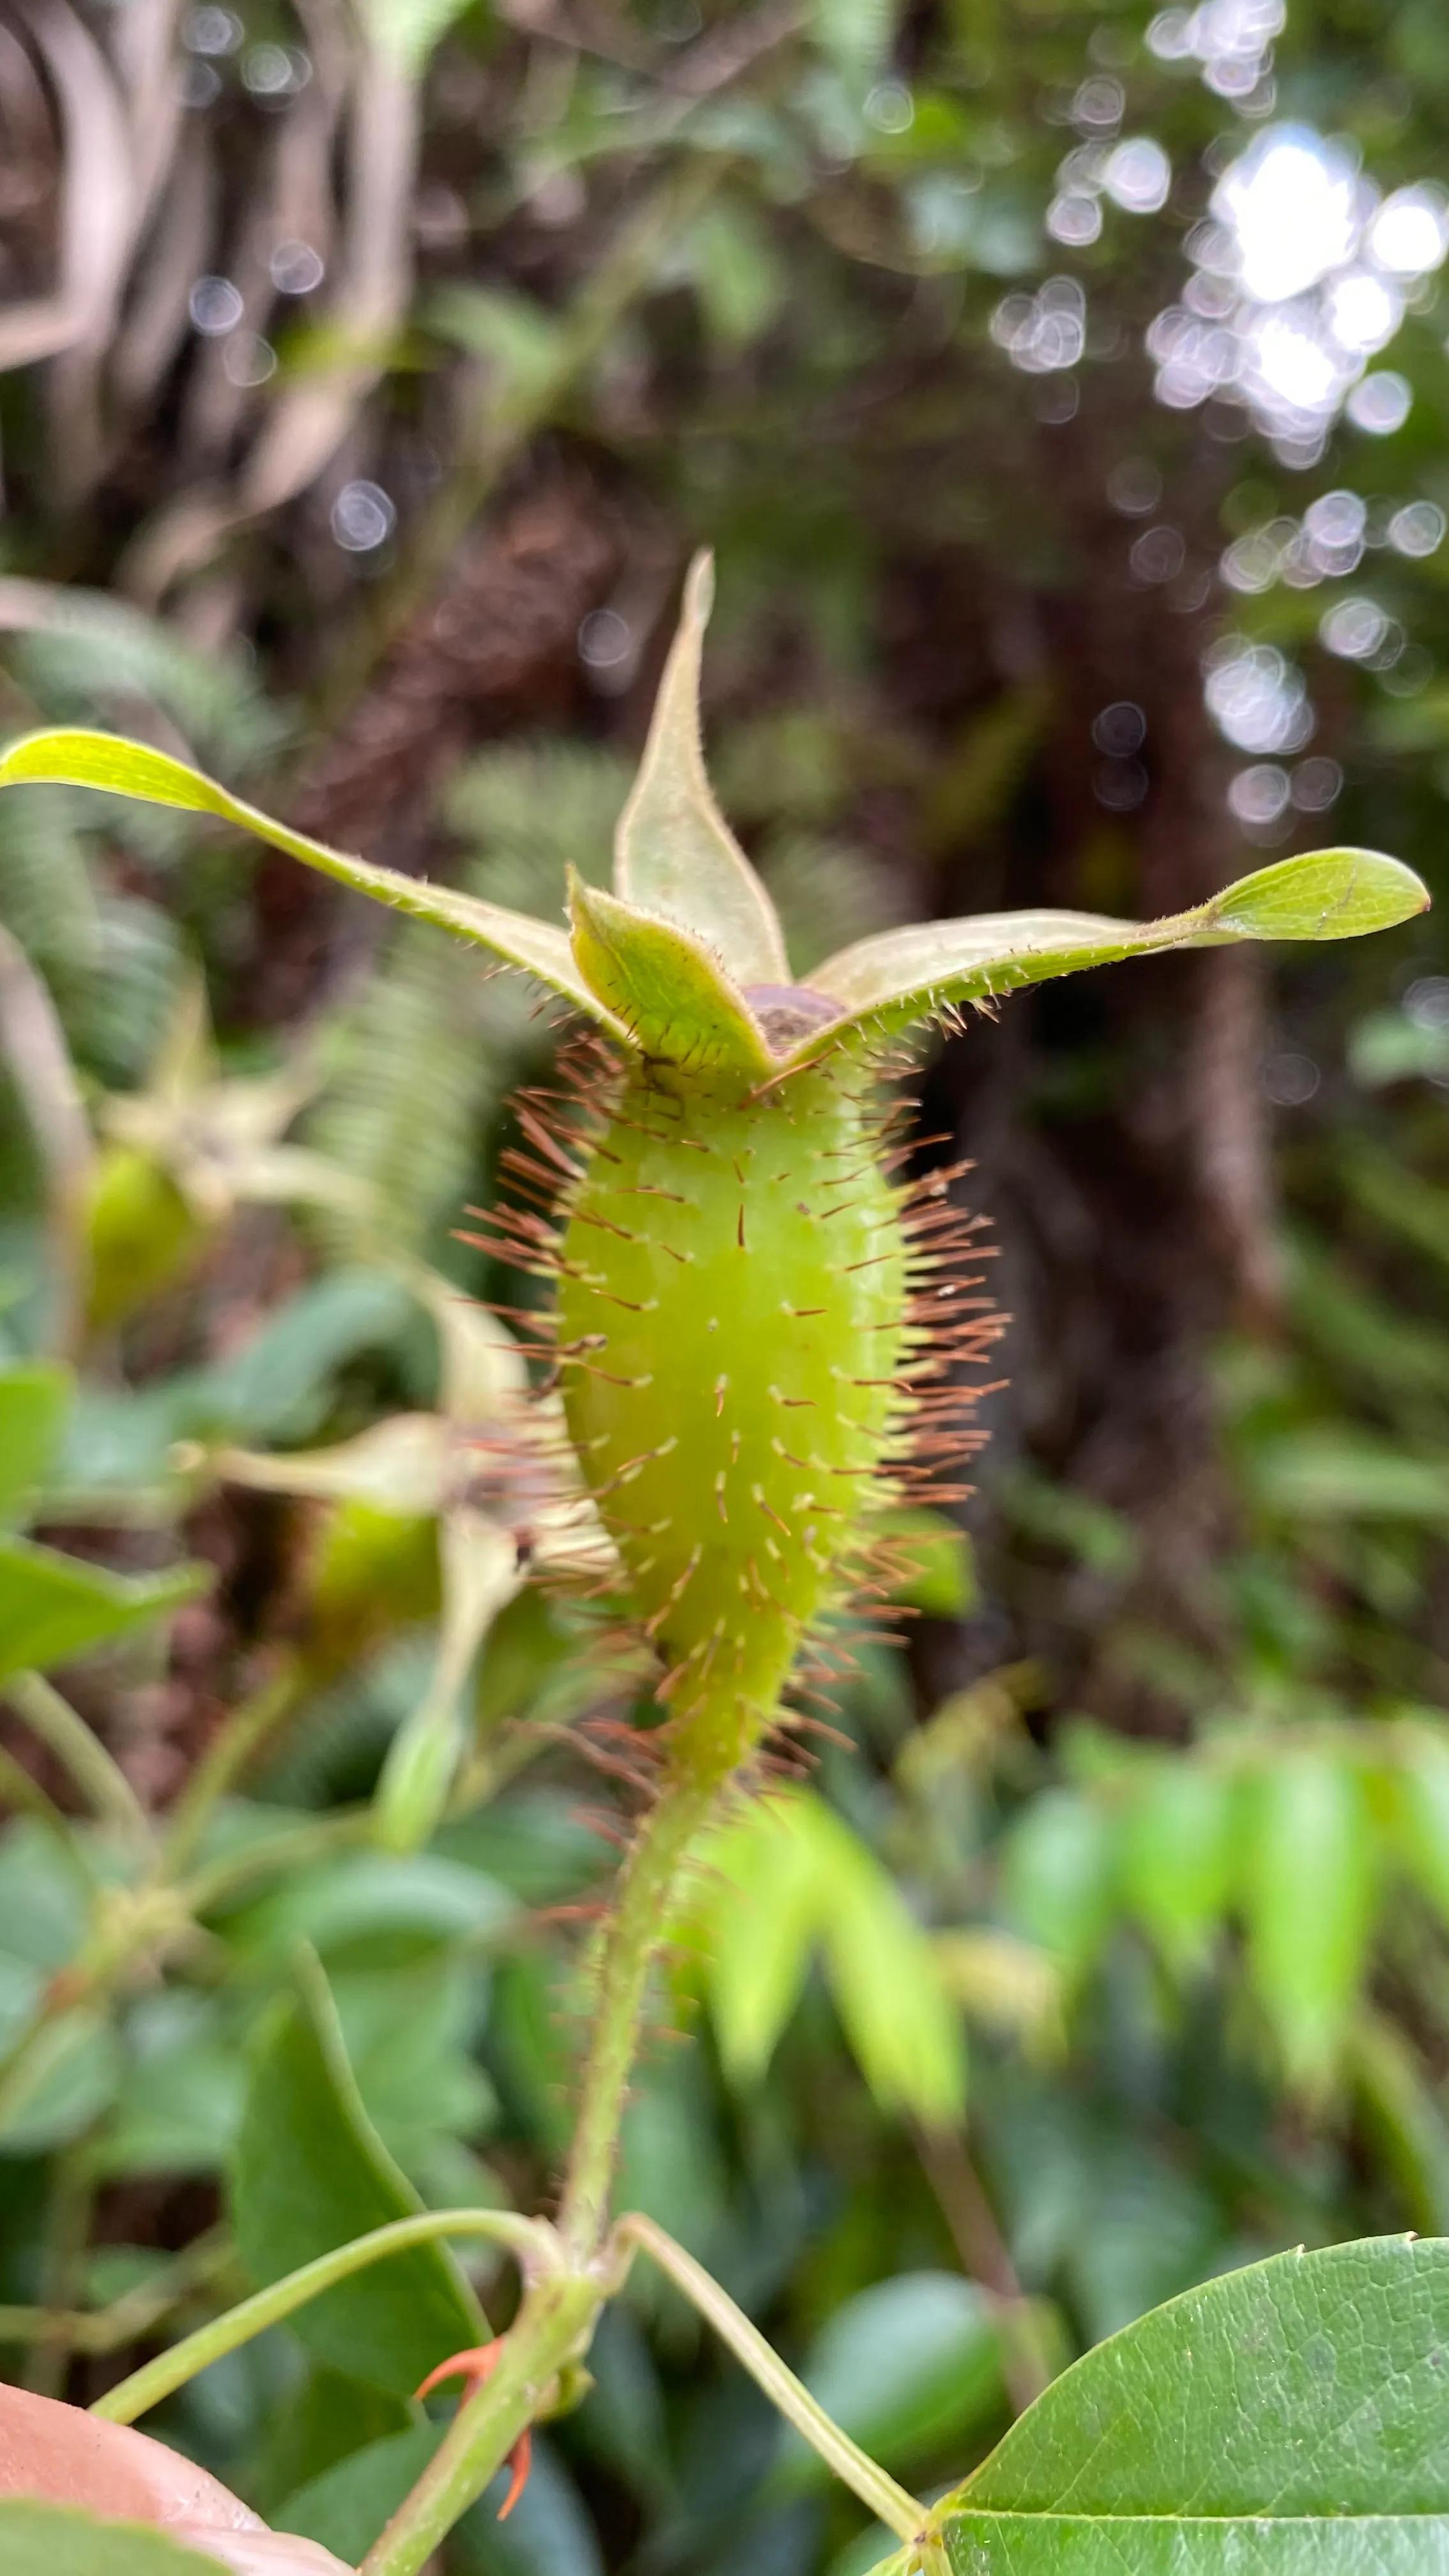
309	2173
34	1402
1421	1815
938	1568
66	2543
908	2368
1059	1874
1340	1473
54	1608
1307	1892
791	1880
1176	1856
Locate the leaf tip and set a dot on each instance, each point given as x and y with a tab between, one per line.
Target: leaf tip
699	587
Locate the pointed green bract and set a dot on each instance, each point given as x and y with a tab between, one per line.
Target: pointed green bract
664	987
73	758
674	852
887	984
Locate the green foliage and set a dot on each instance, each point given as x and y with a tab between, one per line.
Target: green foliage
781	282
1205	2428
54	1608
310	2173
790	1883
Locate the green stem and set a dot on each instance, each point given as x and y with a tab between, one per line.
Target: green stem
137	2312
530	2238
888	2502
292	1849
552	2329
232	1749
633	1935
17	1789
100	1779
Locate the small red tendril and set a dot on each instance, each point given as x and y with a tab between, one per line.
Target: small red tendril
475	2367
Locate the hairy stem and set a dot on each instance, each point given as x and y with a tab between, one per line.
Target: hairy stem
146	2387
552	2329
631	1939
888	2502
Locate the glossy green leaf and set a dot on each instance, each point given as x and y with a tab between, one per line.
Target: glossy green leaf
107	761
1287	2420
54	2539
311	2173
887	983
661	983
34	1402
673	851
905	2367
1308	1898
53	1607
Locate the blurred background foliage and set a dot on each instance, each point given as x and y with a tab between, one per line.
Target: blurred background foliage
1064	389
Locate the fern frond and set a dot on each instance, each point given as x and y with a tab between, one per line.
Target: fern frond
415	1081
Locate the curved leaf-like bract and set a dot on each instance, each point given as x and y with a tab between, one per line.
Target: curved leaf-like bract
1287	2418
886	984
71	757
674	853
664	986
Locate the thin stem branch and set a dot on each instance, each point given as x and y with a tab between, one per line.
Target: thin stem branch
234	1747
890	2503
1027	2364
631	1939
531	2238
137	2312
291	1849
97	1775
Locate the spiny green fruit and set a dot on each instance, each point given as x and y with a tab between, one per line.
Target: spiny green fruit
732	1323
747	1312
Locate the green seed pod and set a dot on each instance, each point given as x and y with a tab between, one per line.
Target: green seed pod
732	1323
747	1327
142	1236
